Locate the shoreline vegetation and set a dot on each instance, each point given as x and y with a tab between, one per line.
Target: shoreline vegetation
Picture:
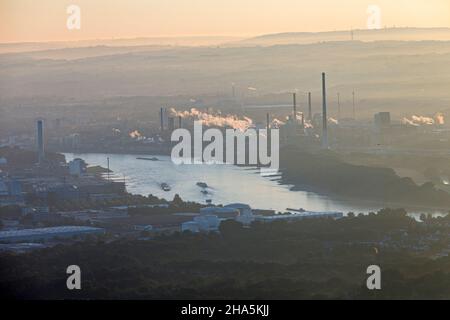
307	259
325	174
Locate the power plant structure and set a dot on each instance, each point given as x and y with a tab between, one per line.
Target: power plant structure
40	141
353	103
294	97
339	105
324	113
171	123
309	107
162	120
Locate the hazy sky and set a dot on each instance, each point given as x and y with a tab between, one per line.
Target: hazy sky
43	20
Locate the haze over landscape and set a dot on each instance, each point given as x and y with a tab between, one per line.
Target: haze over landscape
31	21
352	95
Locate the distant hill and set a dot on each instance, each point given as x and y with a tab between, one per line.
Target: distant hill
125	42
403	77
386	34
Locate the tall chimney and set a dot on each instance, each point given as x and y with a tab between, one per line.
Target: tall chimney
179	122
339	105
268	121
40	140
324	113
294	96
309	107
162	119
171	123
354	110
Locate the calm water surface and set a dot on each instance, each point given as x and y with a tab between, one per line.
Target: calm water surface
227	184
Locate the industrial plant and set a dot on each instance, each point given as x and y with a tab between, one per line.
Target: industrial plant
146	156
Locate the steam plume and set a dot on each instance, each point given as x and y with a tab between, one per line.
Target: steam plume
217	120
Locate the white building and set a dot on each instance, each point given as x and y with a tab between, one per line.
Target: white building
221	212
300	216
77	167
147	227
4	191
43	234
191	226
207	223
204	223
245	215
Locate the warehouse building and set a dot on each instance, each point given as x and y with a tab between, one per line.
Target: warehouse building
204	223
299	216
44	234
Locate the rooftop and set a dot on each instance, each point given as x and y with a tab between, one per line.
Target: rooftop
45	231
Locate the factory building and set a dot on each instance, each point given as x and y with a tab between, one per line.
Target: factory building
382	120
77	167
221	212
211	217
204	223
143	227
245	212
207	222
40	140
45	234
10	192
71	141
190	226
299	216
325	144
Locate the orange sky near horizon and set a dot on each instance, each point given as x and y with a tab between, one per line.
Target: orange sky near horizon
45	20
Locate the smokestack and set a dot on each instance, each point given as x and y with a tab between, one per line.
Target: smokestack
354	110
309	107
303	120
40	140
107	161
324	113
179	122
339	105
268	121
162	119
294	96
171	123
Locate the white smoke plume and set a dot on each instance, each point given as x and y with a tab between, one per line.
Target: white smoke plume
135	134
215	120
440	119
308	125
333	121
276	123
422	120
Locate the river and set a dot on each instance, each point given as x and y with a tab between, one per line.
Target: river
227	184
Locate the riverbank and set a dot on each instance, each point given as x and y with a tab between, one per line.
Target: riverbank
229	184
